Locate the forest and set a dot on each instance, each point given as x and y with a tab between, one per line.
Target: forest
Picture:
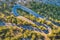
37	29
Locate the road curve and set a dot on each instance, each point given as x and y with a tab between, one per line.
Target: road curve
15	7
14	10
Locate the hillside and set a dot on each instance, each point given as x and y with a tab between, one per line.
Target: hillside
28	27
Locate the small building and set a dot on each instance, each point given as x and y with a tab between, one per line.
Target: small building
24	1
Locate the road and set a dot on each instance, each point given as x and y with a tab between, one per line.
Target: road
14	10
33	30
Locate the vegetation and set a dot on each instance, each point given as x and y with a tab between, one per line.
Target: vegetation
15	30
50	11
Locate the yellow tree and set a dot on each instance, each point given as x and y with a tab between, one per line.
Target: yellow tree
33	37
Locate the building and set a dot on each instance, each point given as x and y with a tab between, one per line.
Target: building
24	1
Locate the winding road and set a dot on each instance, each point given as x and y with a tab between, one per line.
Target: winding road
17	6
